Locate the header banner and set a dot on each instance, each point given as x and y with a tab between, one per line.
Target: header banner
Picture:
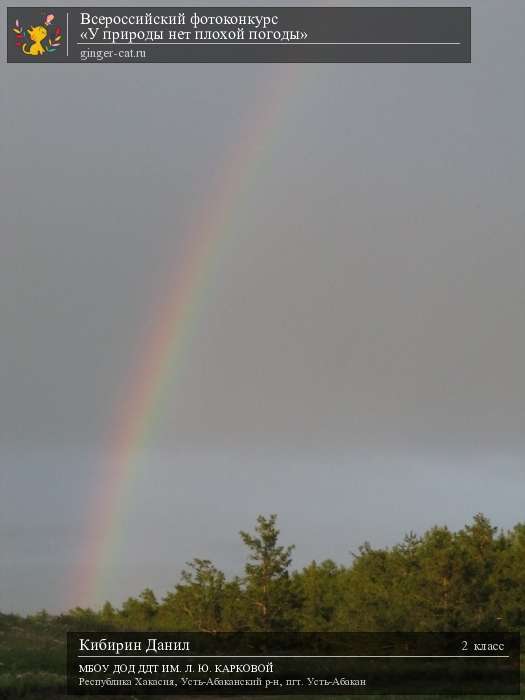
238	35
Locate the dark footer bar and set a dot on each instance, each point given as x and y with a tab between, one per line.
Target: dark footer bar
293	664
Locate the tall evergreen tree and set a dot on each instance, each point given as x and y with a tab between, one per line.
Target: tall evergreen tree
267	581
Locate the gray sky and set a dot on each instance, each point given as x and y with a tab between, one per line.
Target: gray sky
356	363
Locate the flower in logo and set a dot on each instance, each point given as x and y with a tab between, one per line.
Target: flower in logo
40	39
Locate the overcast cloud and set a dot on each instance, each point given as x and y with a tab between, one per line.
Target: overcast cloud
356	361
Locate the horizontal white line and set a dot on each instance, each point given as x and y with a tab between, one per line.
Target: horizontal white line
269	43
294	656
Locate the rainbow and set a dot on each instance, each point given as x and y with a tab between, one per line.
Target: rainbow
162	351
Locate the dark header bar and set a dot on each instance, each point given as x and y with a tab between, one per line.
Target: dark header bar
238	35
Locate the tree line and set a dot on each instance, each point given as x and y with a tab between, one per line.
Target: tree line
442	581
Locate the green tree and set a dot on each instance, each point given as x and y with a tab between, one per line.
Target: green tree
480	548
318	589
108	614
369	602
203	600
140	613
508	581
267	582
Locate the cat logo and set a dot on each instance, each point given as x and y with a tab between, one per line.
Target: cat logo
40	39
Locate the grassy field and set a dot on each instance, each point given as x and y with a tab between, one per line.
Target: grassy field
32	658
32	661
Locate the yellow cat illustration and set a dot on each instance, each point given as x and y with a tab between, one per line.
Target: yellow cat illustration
37	36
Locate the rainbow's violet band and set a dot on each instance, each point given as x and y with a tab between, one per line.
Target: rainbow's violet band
163	348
